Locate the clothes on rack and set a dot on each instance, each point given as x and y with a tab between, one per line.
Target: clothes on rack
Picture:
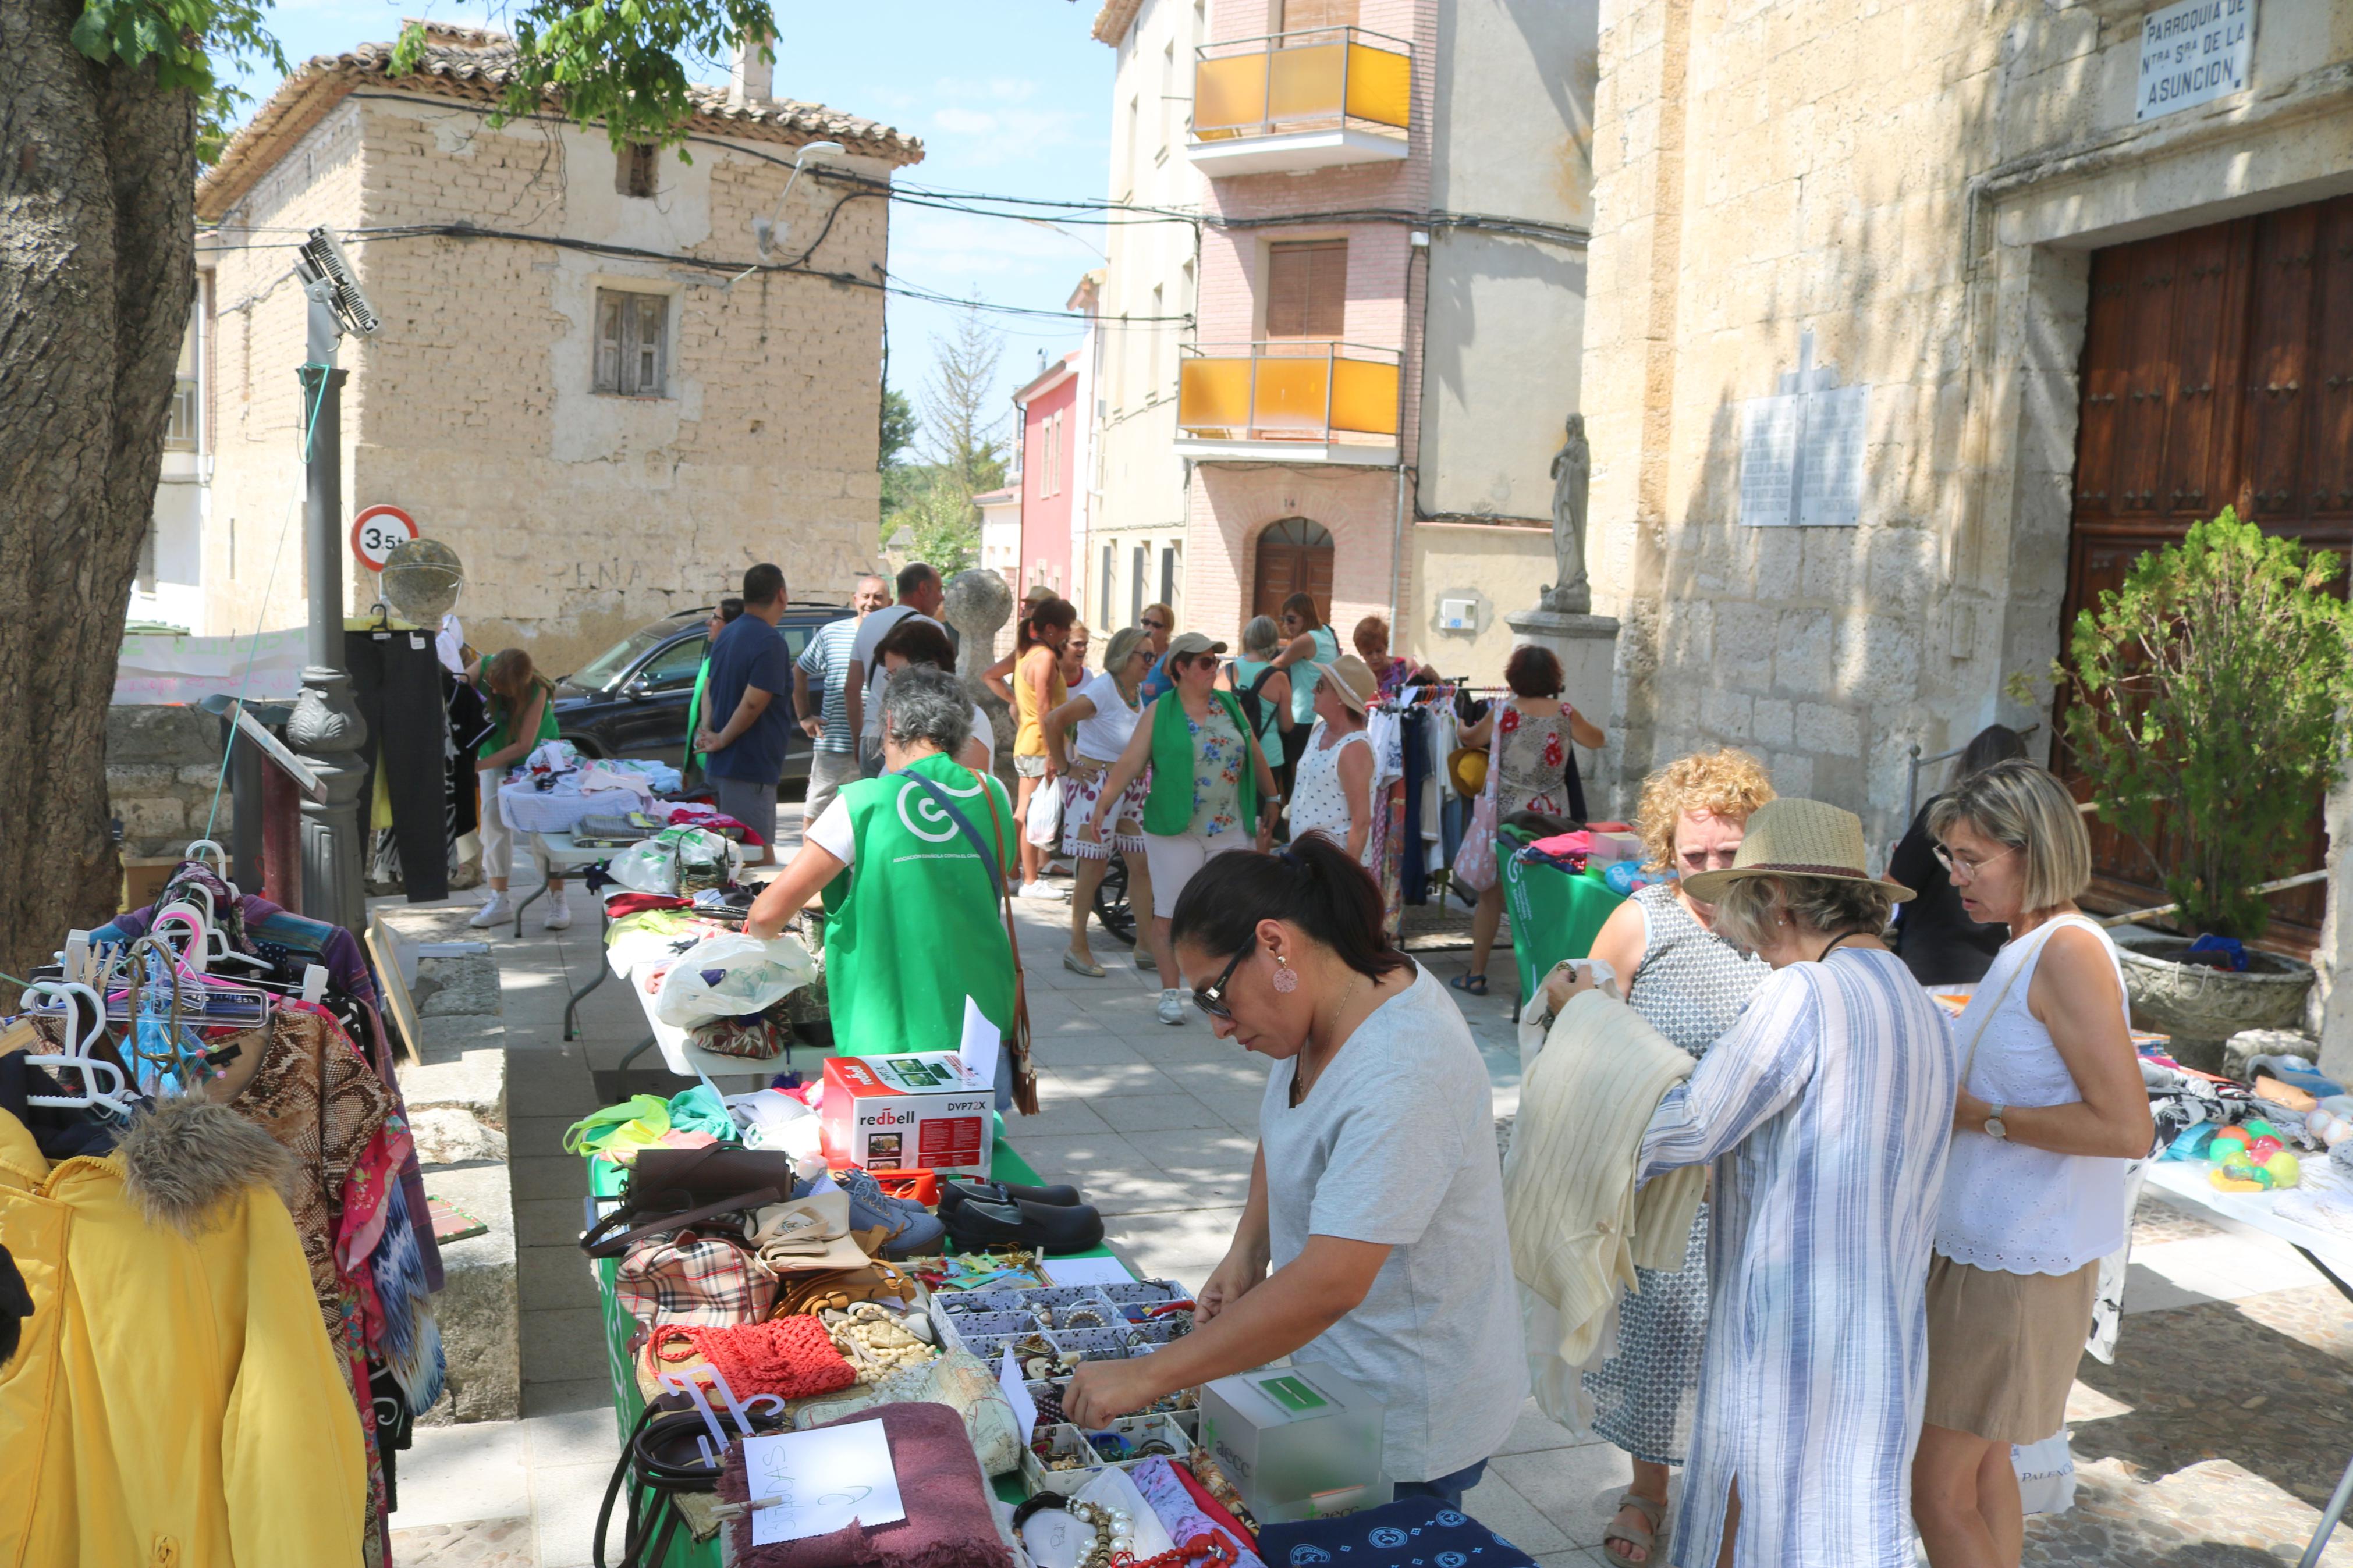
167	1281
397	682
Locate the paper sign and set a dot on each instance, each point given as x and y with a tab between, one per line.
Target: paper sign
819	1482
1089	1271
1016	1394
978	1052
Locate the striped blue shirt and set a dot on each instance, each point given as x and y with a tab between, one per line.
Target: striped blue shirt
1826	1111
826	662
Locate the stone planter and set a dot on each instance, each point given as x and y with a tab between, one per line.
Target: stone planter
2201	1008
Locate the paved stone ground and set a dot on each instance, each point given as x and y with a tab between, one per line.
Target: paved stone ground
2212	1441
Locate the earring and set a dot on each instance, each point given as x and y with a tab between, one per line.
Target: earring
1286	979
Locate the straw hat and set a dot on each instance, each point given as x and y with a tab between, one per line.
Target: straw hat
1467	765
1352	681
1790	837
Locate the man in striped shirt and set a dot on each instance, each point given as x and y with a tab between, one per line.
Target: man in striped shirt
824	713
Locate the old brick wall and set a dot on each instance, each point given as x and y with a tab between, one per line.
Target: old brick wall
161	763
580	516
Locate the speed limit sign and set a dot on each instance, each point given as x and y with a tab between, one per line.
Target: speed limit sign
377	531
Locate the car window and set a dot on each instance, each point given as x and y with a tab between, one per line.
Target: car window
675	665
607	667
795	638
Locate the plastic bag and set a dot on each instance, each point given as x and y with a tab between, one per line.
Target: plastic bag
675	858
1045	822
2046	1474
729	976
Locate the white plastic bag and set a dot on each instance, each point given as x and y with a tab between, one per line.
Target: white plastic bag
2046	1474
1045	822
653	865
729	976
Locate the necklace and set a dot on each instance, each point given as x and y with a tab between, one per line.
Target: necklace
1300	1084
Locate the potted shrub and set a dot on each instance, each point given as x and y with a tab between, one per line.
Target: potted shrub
2209	695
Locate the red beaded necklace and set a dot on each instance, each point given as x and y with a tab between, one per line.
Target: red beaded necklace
1206	1549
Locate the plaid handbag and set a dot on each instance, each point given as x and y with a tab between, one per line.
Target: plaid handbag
691	1278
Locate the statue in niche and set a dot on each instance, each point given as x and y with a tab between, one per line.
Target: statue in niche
1572	478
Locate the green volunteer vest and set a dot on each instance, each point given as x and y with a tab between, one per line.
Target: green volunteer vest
1168	809
914	927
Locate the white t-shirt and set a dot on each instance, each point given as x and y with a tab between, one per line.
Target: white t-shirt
1105	736
1396	1145
986	734
870	631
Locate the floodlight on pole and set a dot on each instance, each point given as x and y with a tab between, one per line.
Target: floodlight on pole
767	233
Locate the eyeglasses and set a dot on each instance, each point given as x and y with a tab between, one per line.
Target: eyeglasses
1211	998
1156	626
1964	869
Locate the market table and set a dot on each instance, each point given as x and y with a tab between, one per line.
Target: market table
1556	914
605	1182
2184	1181
561	857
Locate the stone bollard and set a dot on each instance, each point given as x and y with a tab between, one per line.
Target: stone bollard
978	603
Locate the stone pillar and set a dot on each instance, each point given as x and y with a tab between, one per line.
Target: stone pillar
1587	647
978	602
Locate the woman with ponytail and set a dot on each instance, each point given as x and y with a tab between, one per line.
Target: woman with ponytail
1373	1237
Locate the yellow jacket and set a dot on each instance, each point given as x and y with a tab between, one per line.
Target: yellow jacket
175	1403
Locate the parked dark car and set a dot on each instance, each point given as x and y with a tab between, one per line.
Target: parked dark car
631	699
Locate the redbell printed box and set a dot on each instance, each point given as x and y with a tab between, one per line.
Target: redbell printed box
918	1111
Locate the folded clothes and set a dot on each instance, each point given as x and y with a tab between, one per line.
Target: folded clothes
949	1523
1183	1519
1418	1530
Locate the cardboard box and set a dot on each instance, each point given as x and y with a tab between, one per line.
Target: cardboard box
921	1111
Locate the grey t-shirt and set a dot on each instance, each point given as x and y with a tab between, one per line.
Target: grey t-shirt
1396	1143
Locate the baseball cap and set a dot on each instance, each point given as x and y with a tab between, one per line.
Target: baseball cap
1189	645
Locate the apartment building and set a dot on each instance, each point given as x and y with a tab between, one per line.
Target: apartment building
1387	287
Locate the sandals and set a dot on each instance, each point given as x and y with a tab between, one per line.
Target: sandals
1476	985
1077	965
1651	1542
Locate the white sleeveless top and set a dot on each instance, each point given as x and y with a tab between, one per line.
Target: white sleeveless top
1317	798
2007	1207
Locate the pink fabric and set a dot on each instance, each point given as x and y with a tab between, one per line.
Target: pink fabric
1579	843
948	1525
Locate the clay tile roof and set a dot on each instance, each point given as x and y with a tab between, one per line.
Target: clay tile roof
1113	20
474	64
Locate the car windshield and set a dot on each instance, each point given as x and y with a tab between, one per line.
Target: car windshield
609	666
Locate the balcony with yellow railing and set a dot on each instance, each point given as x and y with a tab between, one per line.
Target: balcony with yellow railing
1288	402
1310	99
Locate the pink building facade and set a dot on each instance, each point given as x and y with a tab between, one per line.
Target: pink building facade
1050	475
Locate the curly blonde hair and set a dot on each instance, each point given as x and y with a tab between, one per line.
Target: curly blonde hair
1722	783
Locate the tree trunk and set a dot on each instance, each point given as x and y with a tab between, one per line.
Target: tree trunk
96	276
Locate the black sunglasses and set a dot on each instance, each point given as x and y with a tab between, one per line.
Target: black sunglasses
1211	998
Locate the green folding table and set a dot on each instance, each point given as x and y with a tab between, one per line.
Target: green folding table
1555	913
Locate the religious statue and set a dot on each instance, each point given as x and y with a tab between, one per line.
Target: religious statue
1572	477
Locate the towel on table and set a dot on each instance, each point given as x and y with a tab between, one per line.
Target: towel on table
949	1523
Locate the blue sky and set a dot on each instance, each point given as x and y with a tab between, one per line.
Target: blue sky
1010	97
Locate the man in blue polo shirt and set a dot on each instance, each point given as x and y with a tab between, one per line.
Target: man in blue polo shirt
752	682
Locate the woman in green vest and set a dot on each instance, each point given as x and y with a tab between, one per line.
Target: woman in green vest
1211	790
913	924
522	704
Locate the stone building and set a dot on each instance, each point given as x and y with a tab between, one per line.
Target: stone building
1387	289
1909	327
582	383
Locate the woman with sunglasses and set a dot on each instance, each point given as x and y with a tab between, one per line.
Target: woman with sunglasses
1690	985
2052	1110
1210	789
1373	1238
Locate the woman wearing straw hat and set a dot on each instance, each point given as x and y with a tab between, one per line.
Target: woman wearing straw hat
1826	1112
1332	791
2053	1109
1085	736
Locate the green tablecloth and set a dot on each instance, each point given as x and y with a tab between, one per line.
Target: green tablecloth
605	1180
1556	914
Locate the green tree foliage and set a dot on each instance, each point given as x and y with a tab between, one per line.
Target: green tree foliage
2211	693
898	427
185	39
962	445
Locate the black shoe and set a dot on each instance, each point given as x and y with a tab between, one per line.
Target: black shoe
975	1225
956	1194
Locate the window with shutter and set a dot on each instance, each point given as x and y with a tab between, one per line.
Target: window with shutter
1307	289
634	170
632	343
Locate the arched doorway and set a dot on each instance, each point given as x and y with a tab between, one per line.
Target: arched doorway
1294	556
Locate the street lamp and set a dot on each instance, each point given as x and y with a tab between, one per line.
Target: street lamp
325	728
769	232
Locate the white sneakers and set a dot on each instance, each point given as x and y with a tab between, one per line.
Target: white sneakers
497	911
1044	893
559	912
1172	1005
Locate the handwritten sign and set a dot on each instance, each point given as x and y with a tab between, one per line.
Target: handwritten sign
978	1052
814	1483
1010	1379
2194	53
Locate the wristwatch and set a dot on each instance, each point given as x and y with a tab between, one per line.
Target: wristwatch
1994	1127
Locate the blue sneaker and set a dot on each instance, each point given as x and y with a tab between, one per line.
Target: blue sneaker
912	1229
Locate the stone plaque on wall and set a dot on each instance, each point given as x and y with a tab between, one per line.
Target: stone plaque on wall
1801	450
2193	53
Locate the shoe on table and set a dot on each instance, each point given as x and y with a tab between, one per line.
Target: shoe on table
910	1229
1043	893
1052	1228
495	911
1172	1005
955	1195
559	912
